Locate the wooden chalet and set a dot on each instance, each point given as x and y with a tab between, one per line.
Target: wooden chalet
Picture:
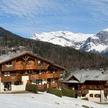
19	68
84	80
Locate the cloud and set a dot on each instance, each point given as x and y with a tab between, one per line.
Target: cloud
28	7
19	7
47	15
97	10
33	8
97	7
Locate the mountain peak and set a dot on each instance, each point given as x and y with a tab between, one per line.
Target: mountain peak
63	38
79	41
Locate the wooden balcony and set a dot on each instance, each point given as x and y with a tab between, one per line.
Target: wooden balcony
41	67
56	75
44	76
21	67
7	67
34	77
10	78
43	87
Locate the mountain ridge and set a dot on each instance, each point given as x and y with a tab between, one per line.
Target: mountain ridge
63	38
80	41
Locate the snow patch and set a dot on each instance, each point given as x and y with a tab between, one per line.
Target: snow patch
99	48
63	38
79	41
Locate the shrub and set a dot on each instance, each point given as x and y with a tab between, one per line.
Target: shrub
63	92
56	92
31	88
68	92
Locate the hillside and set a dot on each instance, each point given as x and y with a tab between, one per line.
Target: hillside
65	56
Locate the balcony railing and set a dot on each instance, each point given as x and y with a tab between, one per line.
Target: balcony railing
10	78
7	67
44	76
21	67
41	66
43	87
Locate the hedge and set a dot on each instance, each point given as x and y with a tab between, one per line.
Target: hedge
68	92
31	88
63	92
56	92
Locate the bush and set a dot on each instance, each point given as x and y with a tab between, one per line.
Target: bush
64	92
31	88
68	92
56	92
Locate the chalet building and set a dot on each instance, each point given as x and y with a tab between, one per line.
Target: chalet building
84	80
19	68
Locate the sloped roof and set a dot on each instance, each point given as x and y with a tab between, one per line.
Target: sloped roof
71	81
89	75
9	57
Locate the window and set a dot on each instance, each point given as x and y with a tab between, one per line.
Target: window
27	72
52	81
9	64
52	68
17	82
7	74
97	95
91	95
39	81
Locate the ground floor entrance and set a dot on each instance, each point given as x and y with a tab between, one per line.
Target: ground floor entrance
7	86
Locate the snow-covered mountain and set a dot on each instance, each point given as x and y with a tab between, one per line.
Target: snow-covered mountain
96	43
63	38
80	41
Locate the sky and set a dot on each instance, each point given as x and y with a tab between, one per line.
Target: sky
25	17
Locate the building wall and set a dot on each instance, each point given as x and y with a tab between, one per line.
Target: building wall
1	87
15	88
31	66
21	87
96	96
23	64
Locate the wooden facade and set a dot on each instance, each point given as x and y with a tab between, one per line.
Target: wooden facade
27	67
92	85
83	88
83	82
